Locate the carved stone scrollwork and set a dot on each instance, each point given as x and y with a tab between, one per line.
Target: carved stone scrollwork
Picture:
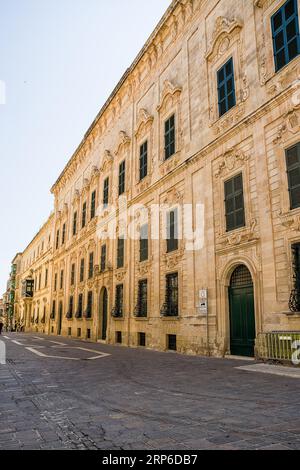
120	274
123	142
222	36
107	161
230	160
247	235
290	221
290	124
172	260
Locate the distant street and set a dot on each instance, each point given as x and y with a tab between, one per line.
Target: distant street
57	393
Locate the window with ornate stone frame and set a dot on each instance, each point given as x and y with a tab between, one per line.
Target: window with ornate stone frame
275	81
143	133
287	136
170	105
226	43
231	164
122	154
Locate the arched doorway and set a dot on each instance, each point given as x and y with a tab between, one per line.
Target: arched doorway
242	313
103	314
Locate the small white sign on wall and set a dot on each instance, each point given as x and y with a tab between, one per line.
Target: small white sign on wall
203	301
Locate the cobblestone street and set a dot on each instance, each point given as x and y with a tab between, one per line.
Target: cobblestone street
57	393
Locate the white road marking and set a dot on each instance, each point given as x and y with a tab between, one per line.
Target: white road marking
17	342
56	342
291	372
6	337
39	353
41	339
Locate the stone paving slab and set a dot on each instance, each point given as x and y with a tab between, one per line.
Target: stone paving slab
140	399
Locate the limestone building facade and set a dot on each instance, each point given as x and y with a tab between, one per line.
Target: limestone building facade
34	282
204	126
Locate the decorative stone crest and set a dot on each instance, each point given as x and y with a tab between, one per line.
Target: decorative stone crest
123	142
290	221
222	35
144	122
107	161
170	92
230	160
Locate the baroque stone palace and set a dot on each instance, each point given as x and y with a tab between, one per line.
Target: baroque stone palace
208	115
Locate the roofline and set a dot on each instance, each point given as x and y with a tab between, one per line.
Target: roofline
166	15
39	231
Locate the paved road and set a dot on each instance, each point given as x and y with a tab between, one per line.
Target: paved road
93	396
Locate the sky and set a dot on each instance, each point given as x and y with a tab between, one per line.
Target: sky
59	62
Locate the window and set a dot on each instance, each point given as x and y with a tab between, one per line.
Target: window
93	205
88	333
78	332
119	301
170	137
293	172
81	276
73	269
226	88
142	339
142	304
143	160
46	278
91	265
40	281
285	31
61	279
89	309
170	308
80	306
69	331
294	302
55	282
57	239
103	258
71	307
122	175
144	243
119	337
121	250
83	221
172	342
63	235
106	192
74	224
172	231
53	310
234	203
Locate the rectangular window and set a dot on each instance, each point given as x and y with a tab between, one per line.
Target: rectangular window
71	307
78	332
46	278
122	176
88	333
121	252
74	224
61	279
103	258
285	32
106	192
53	310
73	270
171	306
142	339
170	141
119	300
143	160
172	342
81	276
55	282
119	337
142	305
57	239
234	203
91	266
294	301
63	234
144	243
69	331
93	205
83	220
172	231
293	173
80	306
89	309
226	88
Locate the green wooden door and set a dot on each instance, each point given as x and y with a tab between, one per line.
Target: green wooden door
242	314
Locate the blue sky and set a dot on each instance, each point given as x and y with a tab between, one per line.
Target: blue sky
60	60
